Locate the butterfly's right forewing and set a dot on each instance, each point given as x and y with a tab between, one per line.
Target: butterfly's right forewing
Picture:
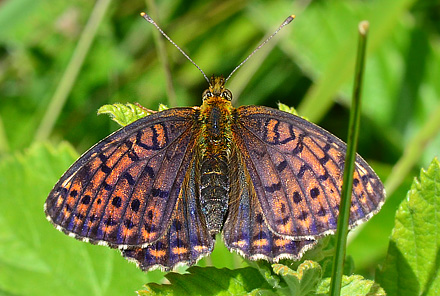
296	169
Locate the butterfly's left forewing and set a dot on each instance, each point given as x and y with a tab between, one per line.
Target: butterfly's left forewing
123	191
296	170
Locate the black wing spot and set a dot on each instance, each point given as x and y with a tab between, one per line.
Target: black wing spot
324	160
323	177
365	178
150	172
73	193
86	199
105	168
155	145
107	186
98	201
302	170
135	204
274	141
355	182
297	197
150	215
272	188
341	162
116	202
281	166
314	192
156	192
102	157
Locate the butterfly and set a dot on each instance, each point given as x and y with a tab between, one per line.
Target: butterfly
162	187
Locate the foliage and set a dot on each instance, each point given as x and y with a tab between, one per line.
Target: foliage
413	261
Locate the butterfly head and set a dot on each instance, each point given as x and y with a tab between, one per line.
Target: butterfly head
217	89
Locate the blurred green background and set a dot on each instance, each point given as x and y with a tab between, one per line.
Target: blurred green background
52	83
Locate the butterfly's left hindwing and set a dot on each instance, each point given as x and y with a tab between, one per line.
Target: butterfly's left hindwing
123	191
296	169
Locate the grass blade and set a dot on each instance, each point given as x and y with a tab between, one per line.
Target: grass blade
353	132
69	77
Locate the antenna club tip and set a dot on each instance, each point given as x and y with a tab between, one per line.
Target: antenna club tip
293	16
142	14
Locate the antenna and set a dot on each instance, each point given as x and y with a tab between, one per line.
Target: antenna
150	20
287	21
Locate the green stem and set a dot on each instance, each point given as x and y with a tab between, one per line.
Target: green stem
347	186
71	73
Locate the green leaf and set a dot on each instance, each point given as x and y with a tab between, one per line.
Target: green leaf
291	110
353	285
211	281
285	108
301	282
266	271
35	258
413	260
124	114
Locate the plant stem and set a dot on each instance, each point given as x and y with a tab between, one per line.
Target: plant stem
347	186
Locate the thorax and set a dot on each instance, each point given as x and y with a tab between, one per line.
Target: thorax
216	119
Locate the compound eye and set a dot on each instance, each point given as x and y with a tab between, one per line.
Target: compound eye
206	94
227	94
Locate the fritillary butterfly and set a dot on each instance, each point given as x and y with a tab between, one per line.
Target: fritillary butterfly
161	188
